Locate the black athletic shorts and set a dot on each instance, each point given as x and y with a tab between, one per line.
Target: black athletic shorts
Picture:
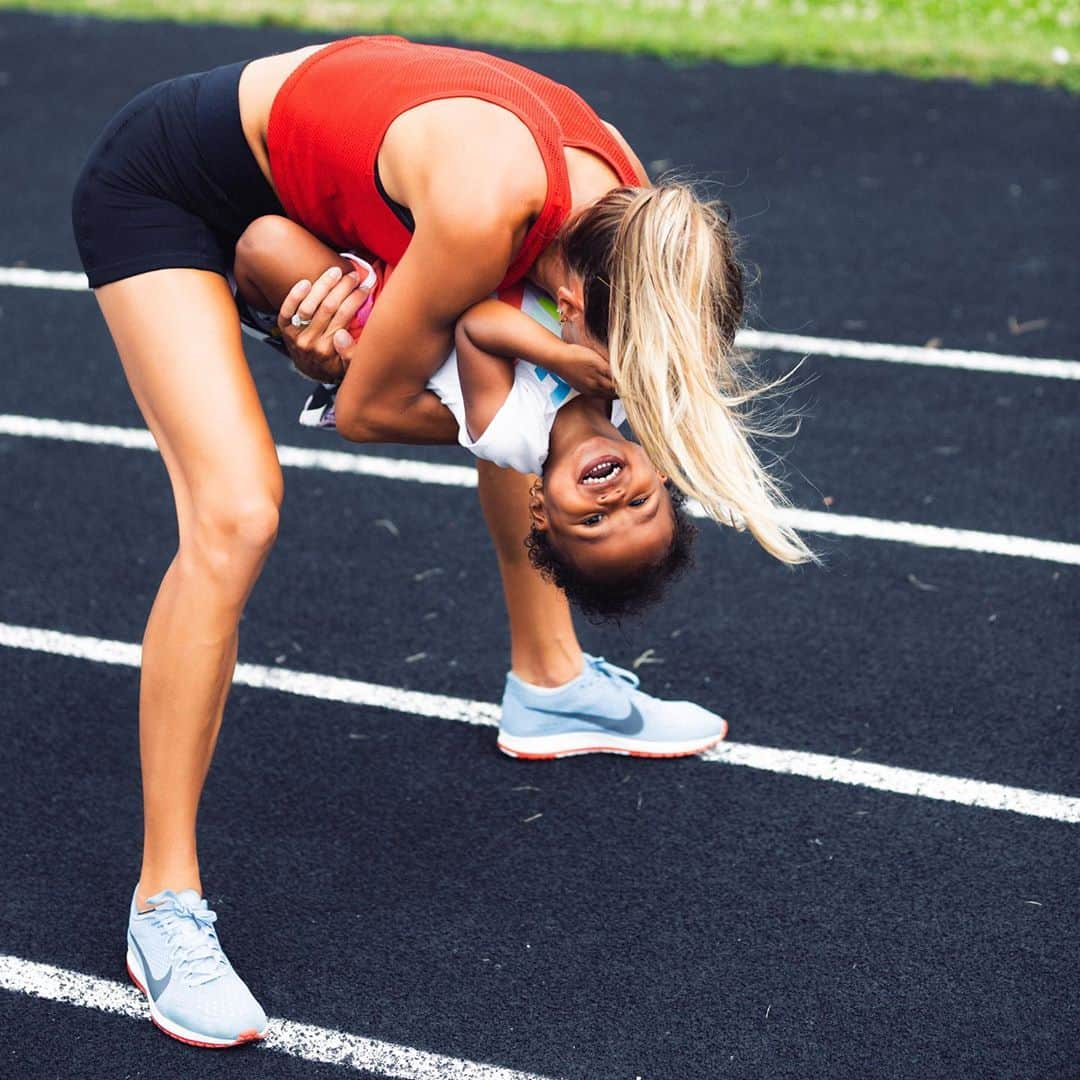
170	182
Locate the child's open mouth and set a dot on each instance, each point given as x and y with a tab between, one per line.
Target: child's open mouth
601	471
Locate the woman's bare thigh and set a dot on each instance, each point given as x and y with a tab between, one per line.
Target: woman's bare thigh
178	336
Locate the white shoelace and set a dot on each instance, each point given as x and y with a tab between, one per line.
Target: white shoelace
193	942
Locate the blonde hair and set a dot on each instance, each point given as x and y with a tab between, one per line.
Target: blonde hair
663	288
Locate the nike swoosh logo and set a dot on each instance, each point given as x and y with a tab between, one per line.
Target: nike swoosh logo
155	987
630	724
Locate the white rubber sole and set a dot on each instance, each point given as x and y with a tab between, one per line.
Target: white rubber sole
546	747
178	1031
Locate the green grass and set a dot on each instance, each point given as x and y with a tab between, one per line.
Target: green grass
1035	41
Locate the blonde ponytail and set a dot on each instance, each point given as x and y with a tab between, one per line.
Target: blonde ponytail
673	292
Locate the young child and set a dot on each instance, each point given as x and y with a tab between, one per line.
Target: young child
607	527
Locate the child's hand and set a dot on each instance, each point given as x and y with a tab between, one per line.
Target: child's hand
585	370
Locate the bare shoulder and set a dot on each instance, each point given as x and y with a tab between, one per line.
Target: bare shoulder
260	82
465	153
628	150
473	208
263	78
457	256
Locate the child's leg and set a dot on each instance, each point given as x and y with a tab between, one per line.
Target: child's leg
273	254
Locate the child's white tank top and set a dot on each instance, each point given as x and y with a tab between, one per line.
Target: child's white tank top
517	437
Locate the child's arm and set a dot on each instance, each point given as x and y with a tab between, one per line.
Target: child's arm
492	335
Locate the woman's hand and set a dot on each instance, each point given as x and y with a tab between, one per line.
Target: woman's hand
585	370
323	309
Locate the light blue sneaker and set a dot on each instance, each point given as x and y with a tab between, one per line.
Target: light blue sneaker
601	711
174	957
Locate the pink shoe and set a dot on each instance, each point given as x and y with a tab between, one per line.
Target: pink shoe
371	278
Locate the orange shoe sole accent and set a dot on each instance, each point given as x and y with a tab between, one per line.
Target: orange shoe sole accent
608	750
243	1037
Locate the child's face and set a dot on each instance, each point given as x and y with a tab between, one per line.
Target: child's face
605	508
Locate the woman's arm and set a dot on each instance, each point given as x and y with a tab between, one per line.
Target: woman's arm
628	150
458	254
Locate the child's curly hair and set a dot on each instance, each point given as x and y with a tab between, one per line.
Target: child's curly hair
614	599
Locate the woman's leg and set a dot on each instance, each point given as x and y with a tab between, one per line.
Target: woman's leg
544	649
603	710
179	340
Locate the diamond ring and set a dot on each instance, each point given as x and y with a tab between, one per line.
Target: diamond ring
299	322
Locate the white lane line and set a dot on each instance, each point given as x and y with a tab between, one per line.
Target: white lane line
23	277
954	789
324	1045
840	770
294	457
934	536
762	340
962	359
298	457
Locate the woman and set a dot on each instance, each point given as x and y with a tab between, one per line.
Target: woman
359	140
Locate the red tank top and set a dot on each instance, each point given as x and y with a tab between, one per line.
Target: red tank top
329	118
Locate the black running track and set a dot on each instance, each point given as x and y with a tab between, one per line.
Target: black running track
375	872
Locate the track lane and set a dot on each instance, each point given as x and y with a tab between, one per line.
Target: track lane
717	936
876	776
984	452
816	522
929	660
642	926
